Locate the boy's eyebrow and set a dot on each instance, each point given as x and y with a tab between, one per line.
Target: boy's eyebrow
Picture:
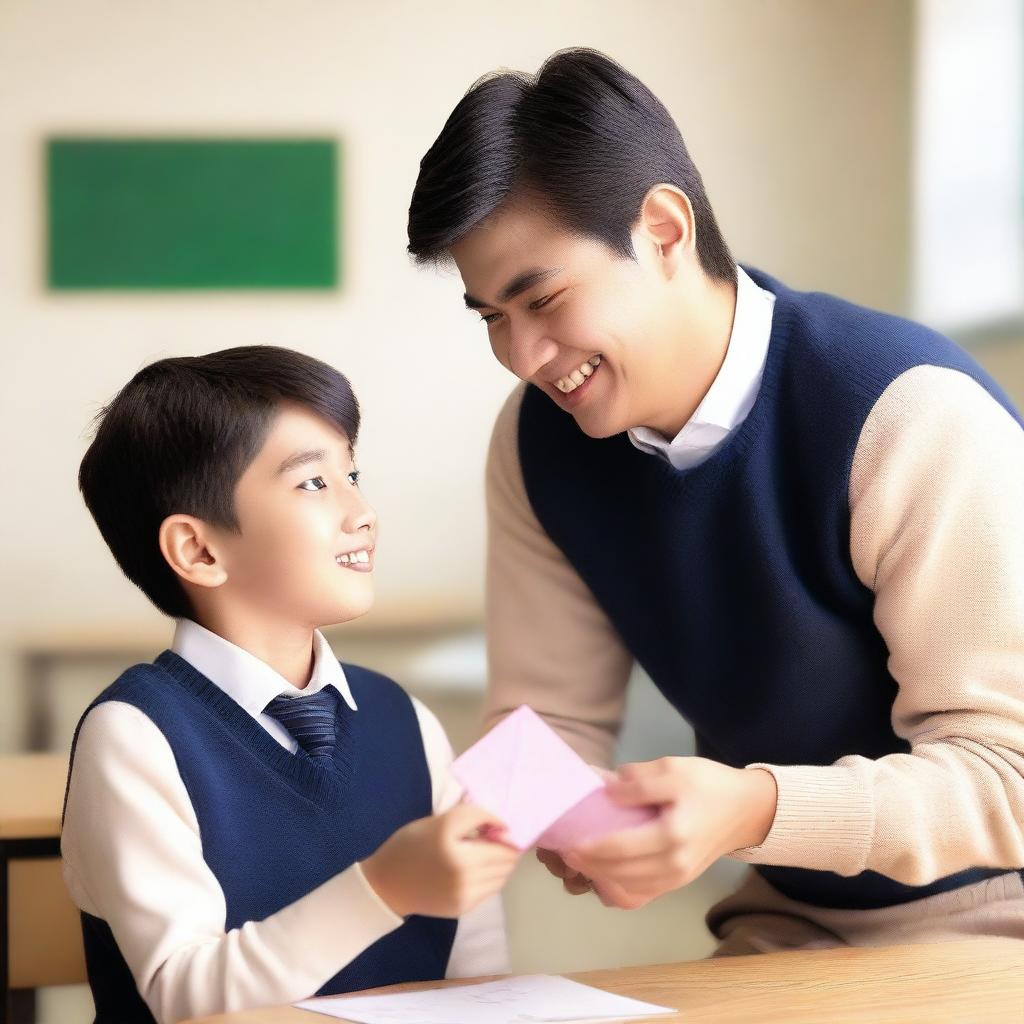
300	459
516	286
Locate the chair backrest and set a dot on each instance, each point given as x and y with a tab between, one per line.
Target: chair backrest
45	932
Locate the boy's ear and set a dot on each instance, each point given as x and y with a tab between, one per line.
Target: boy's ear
187	544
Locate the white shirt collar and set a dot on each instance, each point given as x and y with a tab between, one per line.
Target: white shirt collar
246	679
732	392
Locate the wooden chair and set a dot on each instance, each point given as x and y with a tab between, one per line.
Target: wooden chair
40	934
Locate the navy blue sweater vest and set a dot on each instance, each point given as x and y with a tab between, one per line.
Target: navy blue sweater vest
732	582
275	825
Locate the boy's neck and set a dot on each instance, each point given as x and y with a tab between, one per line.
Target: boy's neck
287	649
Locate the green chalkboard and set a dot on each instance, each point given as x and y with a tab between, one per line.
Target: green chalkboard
140	213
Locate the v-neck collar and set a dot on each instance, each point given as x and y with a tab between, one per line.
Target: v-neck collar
314	780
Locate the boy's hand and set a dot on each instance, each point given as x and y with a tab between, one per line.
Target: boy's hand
707	810
572	881
440	866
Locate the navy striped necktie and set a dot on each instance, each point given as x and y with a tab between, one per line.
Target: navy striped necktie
311	720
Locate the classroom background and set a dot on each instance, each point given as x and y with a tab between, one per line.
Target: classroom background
873	150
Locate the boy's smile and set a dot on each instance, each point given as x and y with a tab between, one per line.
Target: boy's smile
302	518
360	561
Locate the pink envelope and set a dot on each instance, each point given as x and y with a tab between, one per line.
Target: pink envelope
523	772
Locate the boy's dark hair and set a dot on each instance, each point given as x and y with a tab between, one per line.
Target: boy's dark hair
177	438
583	136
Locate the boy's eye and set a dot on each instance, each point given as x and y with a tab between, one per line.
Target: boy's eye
313	480
490	318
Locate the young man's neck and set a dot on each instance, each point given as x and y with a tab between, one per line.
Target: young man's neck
702	344
286	648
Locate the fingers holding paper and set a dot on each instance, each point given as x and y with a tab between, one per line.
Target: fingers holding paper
443	865
705	810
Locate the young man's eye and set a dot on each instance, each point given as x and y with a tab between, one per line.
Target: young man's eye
353	477
313	480
540	303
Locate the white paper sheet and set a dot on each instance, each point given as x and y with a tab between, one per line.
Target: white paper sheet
531	997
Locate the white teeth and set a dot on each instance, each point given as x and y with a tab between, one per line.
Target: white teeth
356	556
578	376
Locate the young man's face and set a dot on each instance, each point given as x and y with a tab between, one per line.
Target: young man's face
556	304
306	547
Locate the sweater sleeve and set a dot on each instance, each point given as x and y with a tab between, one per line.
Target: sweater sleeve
481	945
549	644
936	532
133	857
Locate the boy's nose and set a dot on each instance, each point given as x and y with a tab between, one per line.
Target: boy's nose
361	518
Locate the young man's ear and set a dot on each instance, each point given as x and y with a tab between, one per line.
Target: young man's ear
188	546
665	227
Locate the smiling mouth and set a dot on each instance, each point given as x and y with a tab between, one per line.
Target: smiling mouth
360	561
578	376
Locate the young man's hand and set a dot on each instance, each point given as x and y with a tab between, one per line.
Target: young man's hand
441	866
707	810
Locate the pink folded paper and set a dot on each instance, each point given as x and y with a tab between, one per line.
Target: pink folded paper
527	775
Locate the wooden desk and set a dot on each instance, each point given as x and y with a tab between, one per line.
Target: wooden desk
40	936
980	980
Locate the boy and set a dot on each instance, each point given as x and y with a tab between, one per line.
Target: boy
248	821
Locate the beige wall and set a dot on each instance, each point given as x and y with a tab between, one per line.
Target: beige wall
798	113
1004	359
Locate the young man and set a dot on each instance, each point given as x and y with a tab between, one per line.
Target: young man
248	821
801	517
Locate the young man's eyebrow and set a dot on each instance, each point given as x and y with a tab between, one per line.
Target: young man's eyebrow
519	284
300	459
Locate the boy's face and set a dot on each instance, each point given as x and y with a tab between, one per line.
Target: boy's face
581	304
300	510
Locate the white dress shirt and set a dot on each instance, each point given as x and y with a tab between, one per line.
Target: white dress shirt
249	681
132	856
732	392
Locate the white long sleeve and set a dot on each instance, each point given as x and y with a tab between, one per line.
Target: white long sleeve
133	858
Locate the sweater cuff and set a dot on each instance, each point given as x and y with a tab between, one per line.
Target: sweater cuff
383	913
824	820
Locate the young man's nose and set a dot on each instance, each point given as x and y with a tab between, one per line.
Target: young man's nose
529	351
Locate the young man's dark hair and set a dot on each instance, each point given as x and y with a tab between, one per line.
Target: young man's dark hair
584	137
177	438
